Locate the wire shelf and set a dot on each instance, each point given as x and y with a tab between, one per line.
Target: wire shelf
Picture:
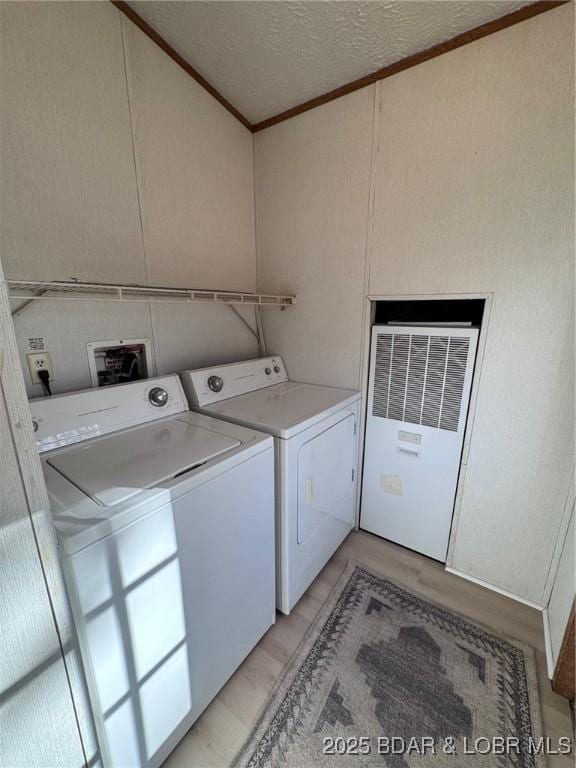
34	290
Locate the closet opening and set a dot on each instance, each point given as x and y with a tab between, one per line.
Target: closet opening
421	369
430	312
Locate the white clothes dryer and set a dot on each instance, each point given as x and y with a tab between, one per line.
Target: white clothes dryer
315	430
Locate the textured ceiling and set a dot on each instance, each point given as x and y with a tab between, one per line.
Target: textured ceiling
267	56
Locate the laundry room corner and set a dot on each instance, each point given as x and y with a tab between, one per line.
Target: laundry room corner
407	210
287	383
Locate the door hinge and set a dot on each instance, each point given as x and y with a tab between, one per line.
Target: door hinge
353	475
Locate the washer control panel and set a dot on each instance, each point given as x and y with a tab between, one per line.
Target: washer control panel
210	385
65	419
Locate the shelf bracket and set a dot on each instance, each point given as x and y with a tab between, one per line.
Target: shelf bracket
26	303
243	319
261	339
258	333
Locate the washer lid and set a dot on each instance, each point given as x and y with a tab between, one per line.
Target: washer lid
115	468
285	409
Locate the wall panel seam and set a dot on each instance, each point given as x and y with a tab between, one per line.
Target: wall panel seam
375	122
364	336
255	223
133	144
137	183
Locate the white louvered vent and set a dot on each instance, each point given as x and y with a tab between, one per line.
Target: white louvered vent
420	379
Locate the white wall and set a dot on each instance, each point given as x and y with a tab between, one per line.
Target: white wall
118	167
471	191
194	166
312	186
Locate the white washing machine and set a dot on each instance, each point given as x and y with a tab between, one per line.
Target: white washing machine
315	431
165	520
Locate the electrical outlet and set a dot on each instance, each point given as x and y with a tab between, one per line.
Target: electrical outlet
39	361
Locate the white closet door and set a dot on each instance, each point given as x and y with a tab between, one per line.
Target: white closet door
419	389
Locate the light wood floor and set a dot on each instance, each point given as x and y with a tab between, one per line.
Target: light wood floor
221	730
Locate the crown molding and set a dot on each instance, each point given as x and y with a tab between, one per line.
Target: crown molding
477	33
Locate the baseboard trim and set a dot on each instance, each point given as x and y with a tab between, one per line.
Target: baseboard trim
486	585
548	643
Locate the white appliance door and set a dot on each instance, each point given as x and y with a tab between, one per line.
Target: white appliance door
326	466
113	470
418	395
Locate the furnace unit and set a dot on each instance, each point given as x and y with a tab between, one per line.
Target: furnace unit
418	395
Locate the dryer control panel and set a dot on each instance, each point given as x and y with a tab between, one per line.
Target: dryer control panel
210	385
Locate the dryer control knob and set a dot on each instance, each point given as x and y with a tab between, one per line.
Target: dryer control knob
158	397
215	383
276	369
267	371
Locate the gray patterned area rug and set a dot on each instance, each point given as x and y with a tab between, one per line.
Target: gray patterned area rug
387	678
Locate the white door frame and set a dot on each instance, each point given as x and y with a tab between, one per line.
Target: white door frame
50	611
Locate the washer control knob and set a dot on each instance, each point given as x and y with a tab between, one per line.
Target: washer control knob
35	425
215	383
276	369
267	371
158	397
